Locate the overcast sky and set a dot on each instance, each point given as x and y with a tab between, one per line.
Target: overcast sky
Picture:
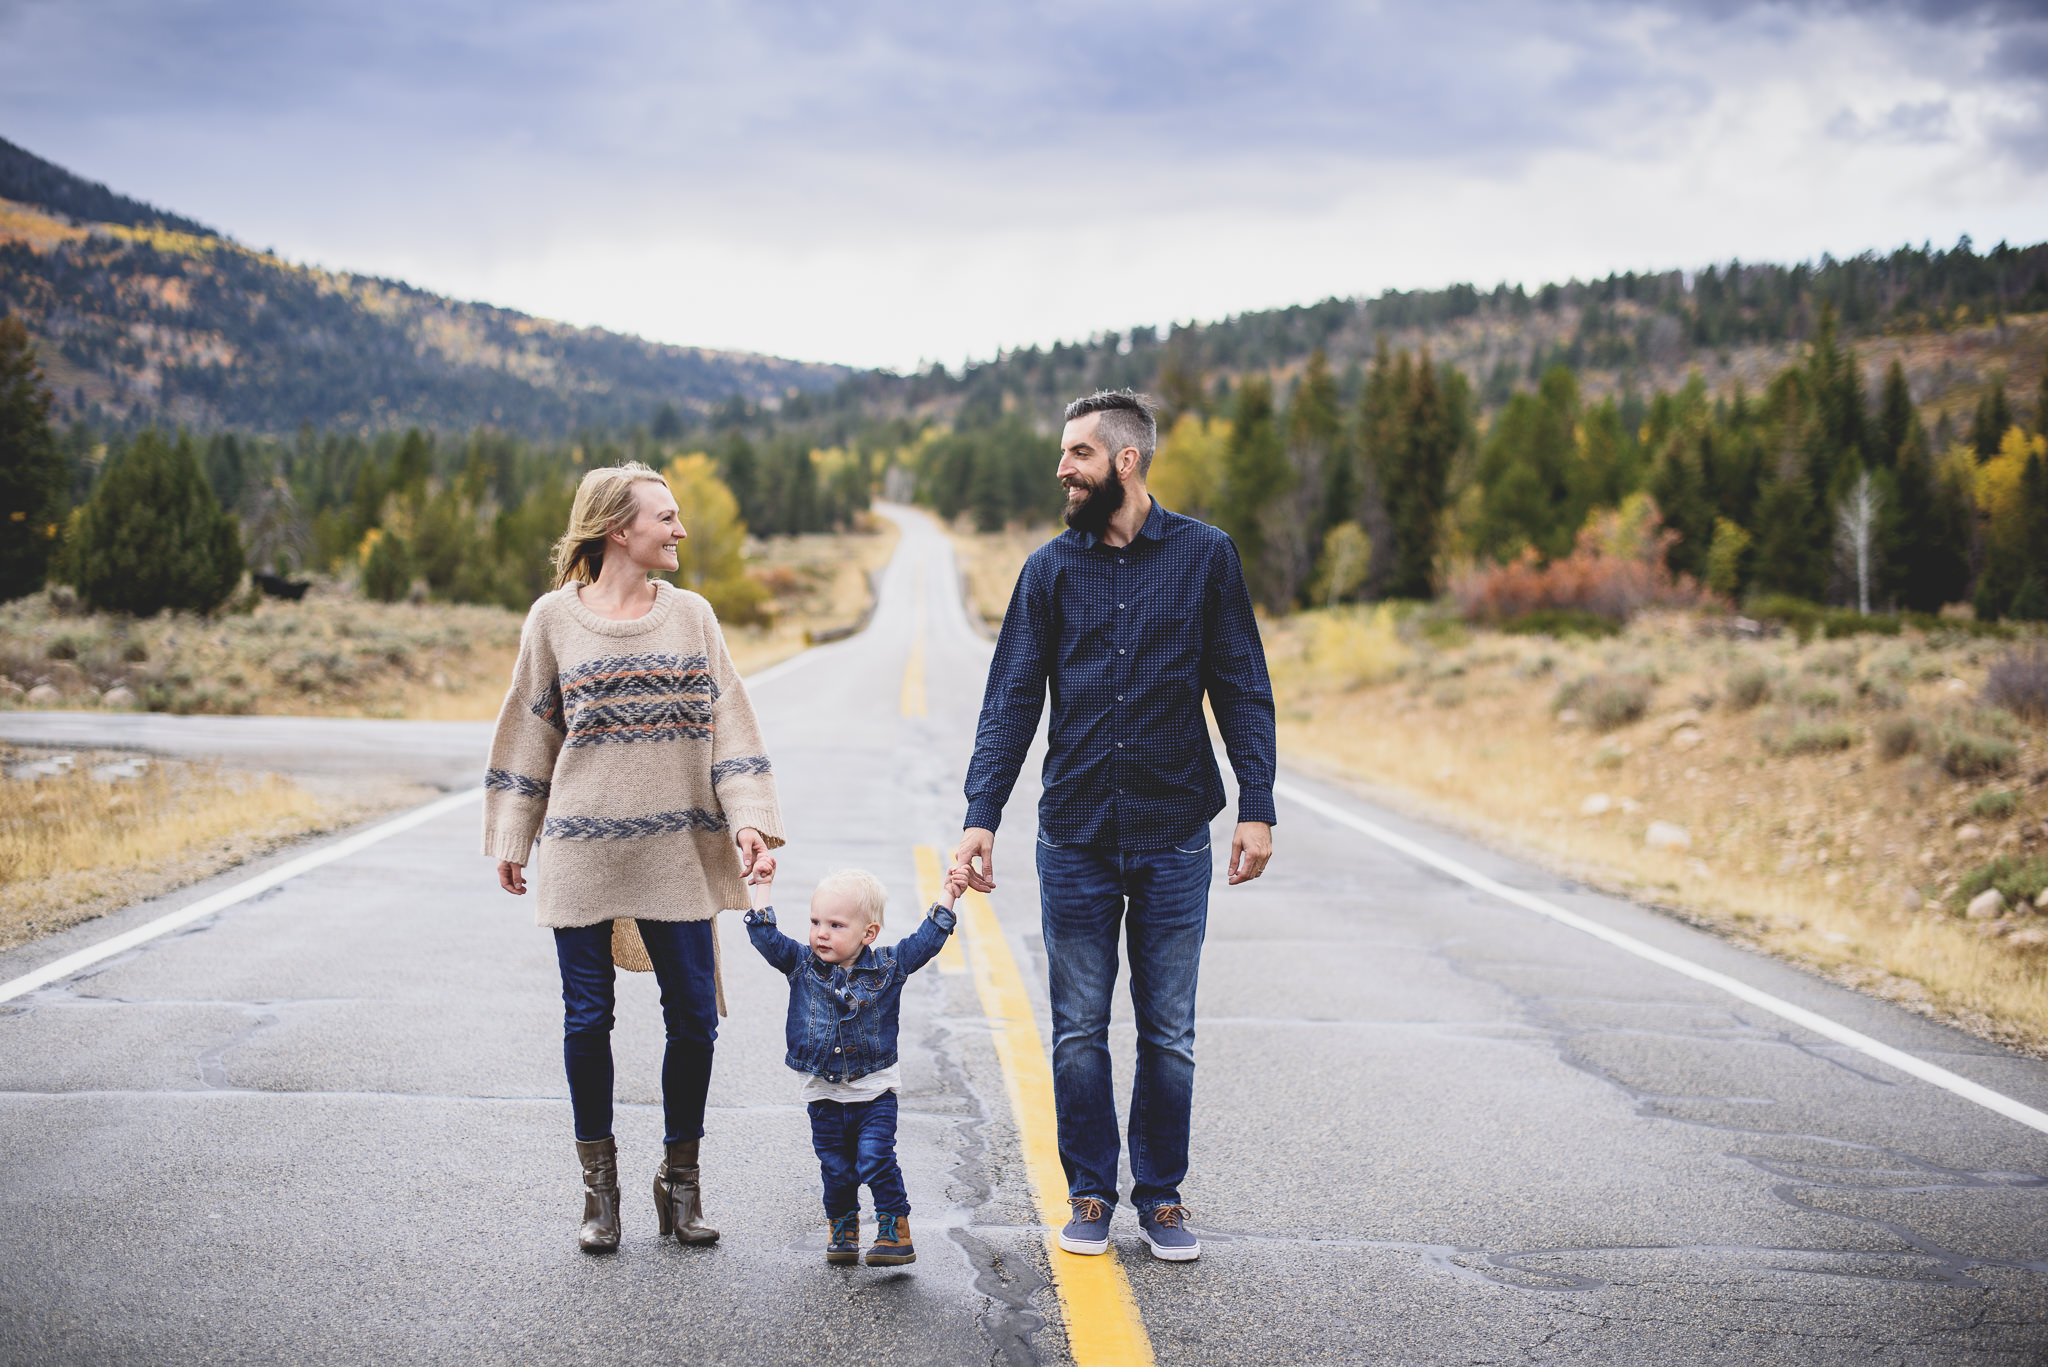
897	182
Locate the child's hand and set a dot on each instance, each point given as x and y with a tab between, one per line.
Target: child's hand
955	884
763	871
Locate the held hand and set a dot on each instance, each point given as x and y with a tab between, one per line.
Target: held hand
753	846
761	883
976	843
512	877
955	884
1251	846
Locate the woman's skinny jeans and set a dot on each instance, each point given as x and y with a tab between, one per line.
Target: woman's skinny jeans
684	966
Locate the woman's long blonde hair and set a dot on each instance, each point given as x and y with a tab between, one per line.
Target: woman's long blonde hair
604	503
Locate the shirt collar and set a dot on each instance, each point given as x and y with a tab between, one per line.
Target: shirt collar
1153	530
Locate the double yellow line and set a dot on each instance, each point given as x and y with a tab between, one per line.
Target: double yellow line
1104	1328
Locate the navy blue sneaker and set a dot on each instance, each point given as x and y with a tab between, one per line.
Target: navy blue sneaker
1165	1229
1088	1231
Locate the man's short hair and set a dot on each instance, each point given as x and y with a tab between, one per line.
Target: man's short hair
1126	421
860	887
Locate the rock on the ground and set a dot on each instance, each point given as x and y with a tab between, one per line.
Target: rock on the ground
1686	737
1667	835
1969	833
2033	937
1986	905
1909	899
1596	805
43	694
120	695
2041	901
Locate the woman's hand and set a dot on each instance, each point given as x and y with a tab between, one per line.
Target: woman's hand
753	847
512	877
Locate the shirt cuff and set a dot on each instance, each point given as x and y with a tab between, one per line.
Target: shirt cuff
983	813
761	916
944	916
1256	804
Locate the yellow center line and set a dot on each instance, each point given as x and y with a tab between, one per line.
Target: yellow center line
930	873
913	668
1104	1328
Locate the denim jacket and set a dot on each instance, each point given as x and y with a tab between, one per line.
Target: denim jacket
842	1017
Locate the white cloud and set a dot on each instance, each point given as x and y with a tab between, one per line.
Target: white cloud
905	181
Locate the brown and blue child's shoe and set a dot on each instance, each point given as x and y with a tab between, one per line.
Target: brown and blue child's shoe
845	1244
892	1247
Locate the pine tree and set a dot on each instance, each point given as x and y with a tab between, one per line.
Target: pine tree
1534	491
1418	490
152	536
1895	415
1785	557
1255	479
1994	415
2030	603
32	475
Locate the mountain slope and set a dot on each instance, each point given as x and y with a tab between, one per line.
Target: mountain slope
146	316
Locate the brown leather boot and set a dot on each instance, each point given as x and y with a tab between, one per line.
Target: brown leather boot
678	1203
600	1232
892	1246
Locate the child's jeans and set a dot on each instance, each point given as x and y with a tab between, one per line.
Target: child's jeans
856	1143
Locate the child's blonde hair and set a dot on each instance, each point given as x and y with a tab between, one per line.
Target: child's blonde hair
605	502
861	887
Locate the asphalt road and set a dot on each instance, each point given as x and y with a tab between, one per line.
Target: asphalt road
329	1125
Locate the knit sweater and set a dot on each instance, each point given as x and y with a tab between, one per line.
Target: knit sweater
630	751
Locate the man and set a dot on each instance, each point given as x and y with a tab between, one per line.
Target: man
1129	617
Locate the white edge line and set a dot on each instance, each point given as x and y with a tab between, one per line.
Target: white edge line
1777	1006
229	896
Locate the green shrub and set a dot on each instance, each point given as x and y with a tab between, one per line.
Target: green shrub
1846	622
1802	617
1820	699
1606	700
63	648
1996	805
2018	682
1898	737
1561	622
1748	687
1879	694
1967	754
1816	738
2021	880
152	537
387	570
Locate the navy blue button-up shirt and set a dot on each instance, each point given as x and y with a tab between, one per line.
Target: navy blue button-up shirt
1128	639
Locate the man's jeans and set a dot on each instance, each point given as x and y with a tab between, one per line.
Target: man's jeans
685	964
1082	897
856	1143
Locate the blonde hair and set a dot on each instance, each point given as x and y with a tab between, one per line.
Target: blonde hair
862	888
605	502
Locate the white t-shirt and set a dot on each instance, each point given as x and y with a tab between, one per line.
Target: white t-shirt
860	1089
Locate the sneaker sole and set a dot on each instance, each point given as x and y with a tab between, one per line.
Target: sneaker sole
842	1258
1172	1253
891	1259
1085	1246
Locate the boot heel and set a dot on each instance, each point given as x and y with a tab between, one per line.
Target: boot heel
664	1213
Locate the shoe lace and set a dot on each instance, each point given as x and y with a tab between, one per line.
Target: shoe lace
1170	1216
1086	1208
887	1232
846	1228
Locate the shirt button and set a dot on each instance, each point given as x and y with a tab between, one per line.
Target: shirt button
1120	605
1119	650
837	1050
1119	745
1119	697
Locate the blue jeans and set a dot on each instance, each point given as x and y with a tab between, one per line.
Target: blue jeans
684	966
1159	899
856	1143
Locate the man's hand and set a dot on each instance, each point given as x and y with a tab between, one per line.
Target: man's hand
753	845
512	877
1251	846
976	843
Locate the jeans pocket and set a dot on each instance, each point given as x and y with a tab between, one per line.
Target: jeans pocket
1194	849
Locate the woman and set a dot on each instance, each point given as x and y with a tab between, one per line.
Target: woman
628	747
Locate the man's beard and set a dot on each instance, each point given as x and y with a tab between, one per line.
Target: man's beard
1092	514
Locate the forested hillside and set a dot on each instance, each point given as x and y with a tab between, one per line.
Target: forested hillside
144	316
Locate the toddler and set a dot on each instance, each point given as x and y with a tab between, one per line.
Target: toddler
844	998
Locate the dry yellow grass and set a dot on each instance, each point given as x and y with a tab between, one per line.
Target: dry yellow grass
74	846
1818	857
336	655
989	561
1843	861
